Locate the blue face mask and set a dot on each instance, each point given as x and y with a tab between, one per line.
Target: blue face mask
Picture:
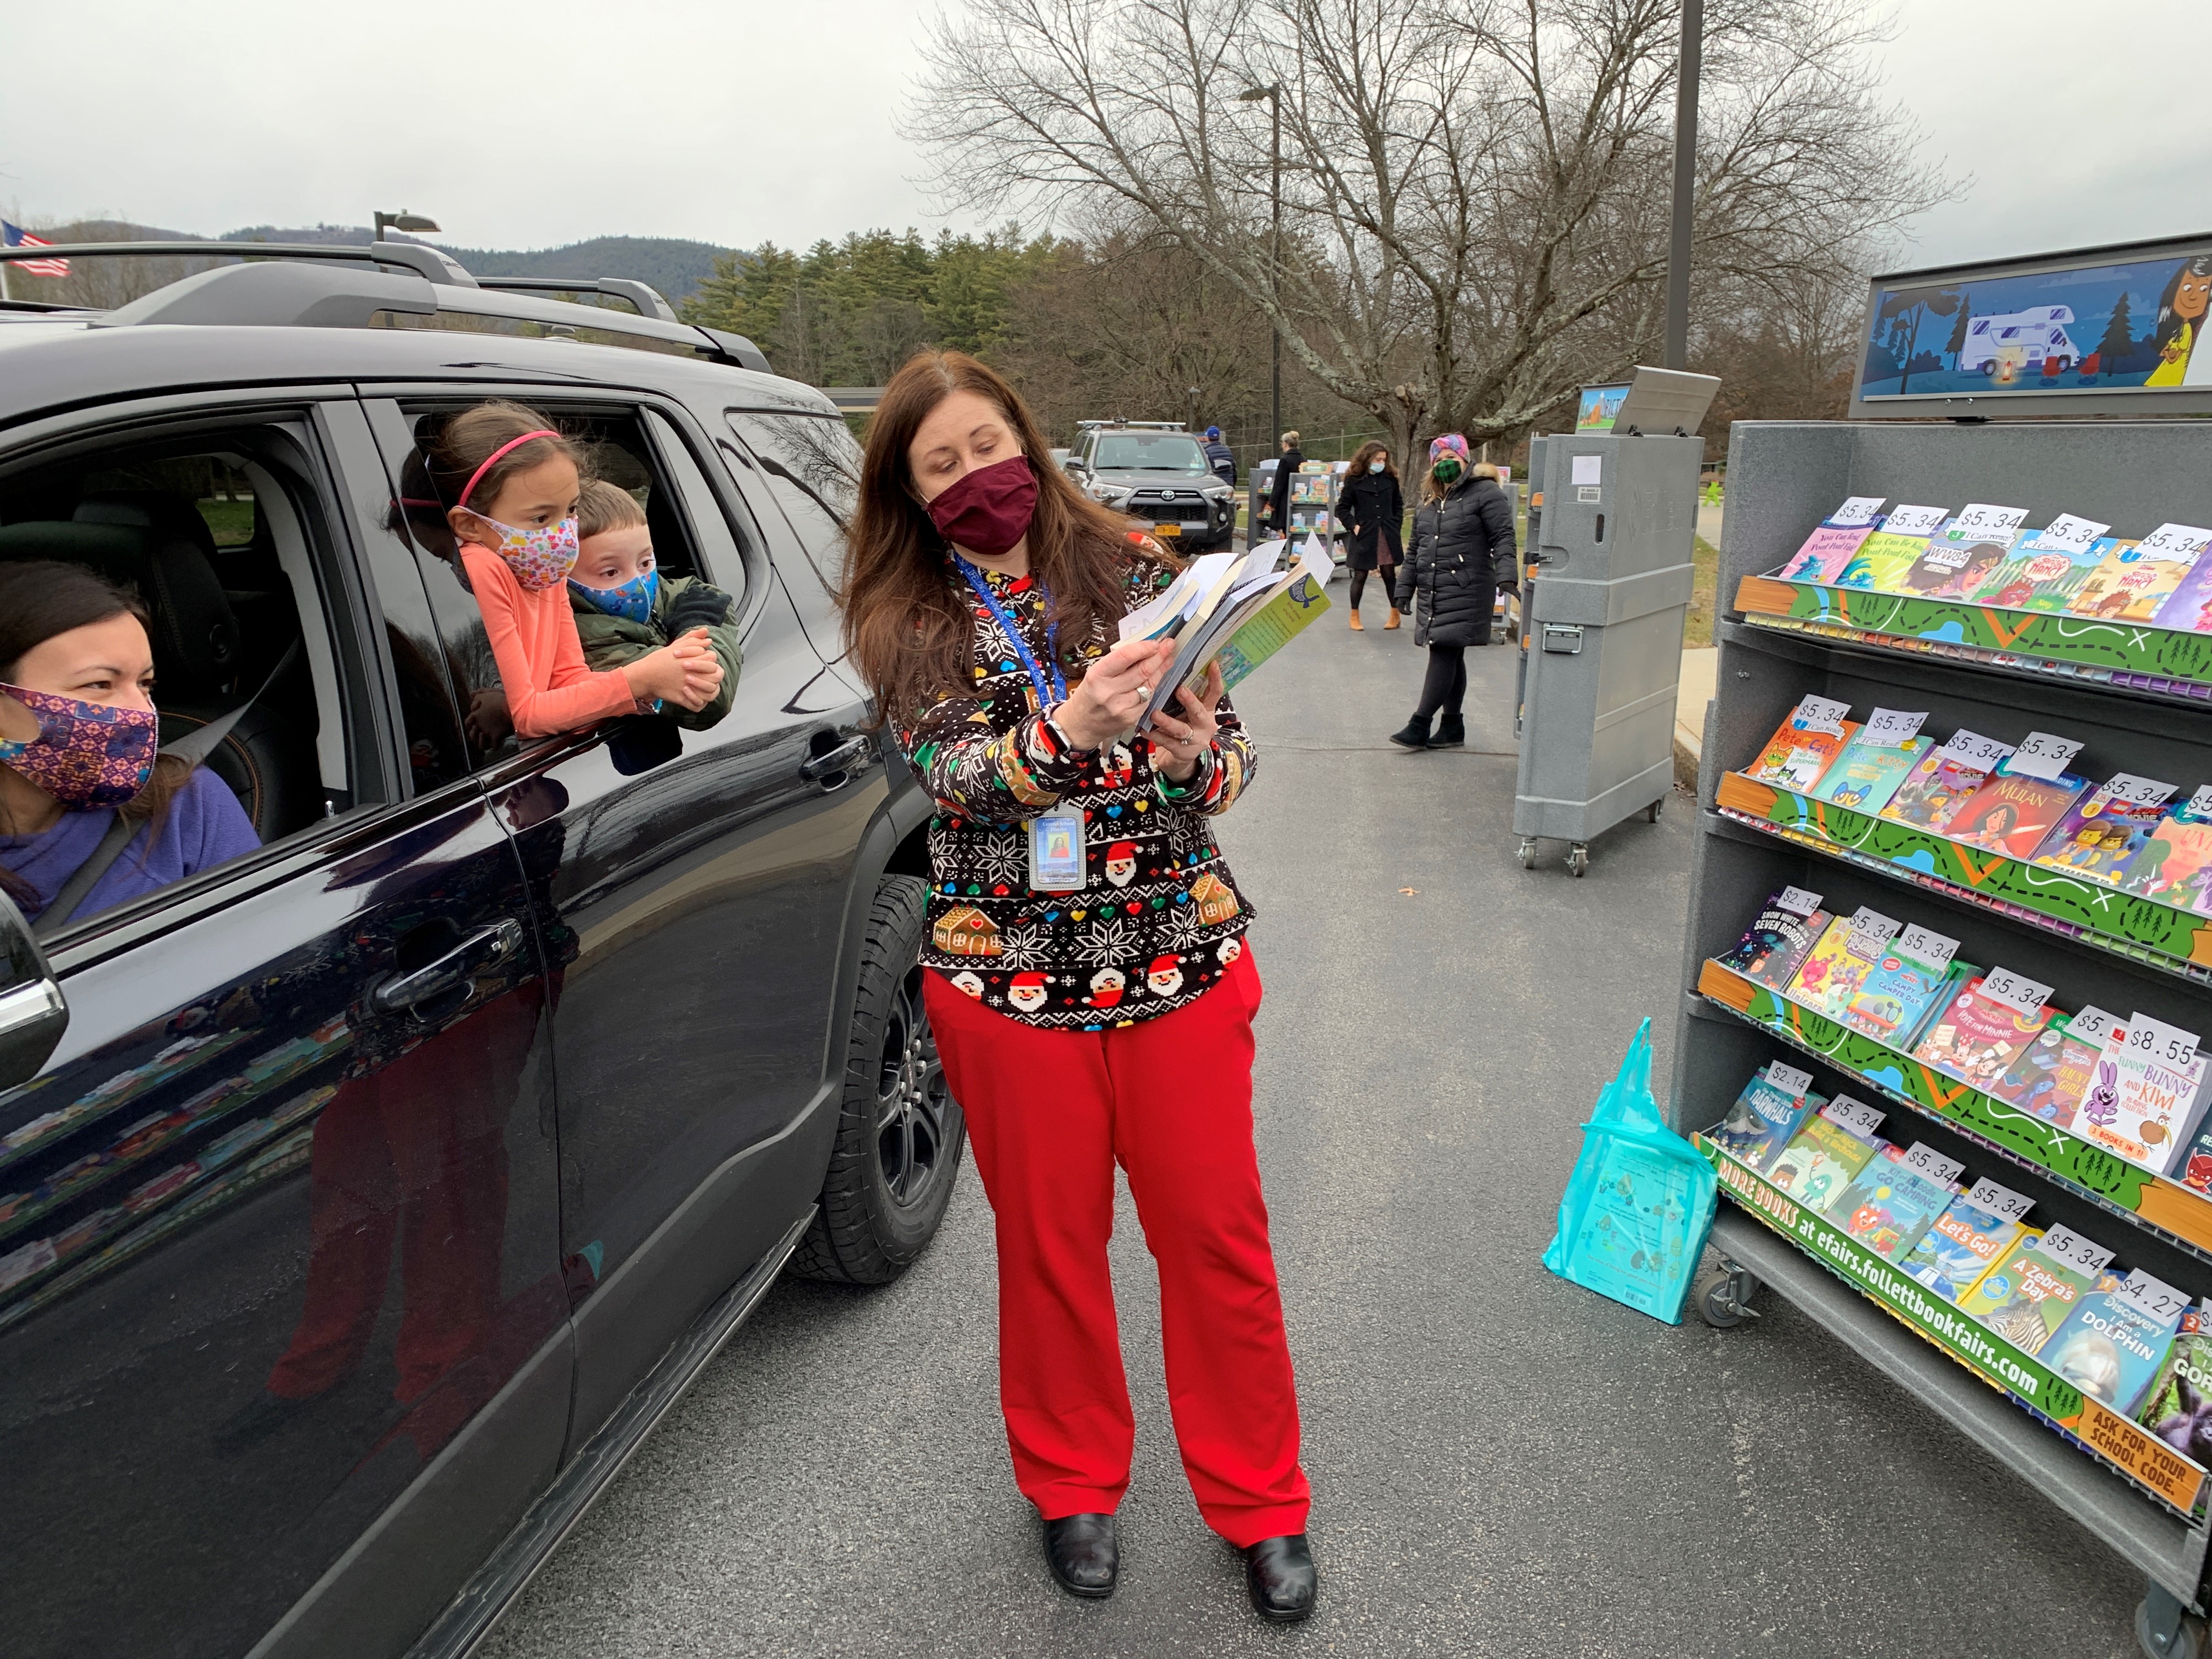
633	601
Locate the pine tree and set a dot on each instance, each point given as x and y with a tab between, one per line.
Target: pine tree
2118	344
1958	343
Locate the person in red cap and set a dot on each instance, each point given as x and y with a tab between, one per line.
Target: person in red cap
1074	870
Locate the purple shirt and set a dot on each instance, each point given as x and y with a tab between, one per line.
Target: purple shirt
204	826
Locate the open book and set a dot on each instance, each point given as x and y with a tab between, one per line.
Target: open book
1238	608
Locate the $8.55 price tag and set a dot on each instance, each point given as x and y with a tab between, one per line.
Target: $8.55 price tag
1796	900
2083	1255
1924	1159
1855	1115
2152	1298
1891	728
1788	1078
1926	947
2018	990
2000	1202
1972	749
2155	1040
2042	755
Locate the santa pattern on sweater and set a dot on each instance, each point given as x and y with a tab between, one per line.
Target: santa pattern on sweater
1160	918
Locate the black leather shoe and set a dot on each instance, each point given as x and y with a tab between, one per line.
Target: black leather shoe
1085	1556
1280	1573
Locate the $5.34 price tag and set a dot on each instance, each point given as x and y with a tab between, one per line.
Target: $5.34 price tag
1927	947
2068	534
2152	1298
2092	1024
1855	1115
1789	1079
1856	511
2017	990
2128	790
2175	541
1924	1159
1818	714
1972	749
2155	1040
2042	755
2000	1202
1891	728
1914	521
2199	807
1796	900
1876	928
1978	519
2083	1255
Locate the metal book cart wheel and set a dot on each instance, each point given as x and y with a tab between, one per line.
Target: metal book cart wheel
1723	1296
2165	1629
1578	858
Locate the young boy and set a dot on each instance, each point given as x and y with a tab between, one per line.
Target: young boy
625	608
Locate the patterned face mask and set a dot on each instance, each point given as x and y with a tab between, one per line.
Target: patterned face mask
633	601
86	754
539	558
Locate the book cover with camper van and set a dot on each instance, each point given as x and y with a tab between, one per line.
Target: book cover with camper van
1820	1162
1864	775
1772	947
1896	998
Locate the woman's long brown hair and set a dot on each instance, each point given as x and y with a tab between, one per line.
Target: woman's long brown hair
907	629
1367	452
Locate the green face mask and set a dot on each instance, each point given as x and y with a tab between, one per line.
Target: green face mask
1446	470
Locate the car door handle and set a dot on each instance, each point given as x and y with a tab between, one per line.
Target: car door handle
842	758
469	958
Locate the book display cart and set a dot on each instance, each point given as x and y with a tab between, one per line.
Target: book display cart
2140	699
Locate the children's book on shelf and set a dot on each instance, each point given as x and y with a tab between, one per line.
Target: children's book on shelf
1864	775
1910	978
1820	1161
1961	554
2176	1408
2014	814
2043	570
1839	961
2174	864
1767	1114
2137	579
2028	1295
2000	1278
1944	779
1803	745
1976	1035
1888	553
1962	1243
2053	1073
1834	540
1772	947
2145	1097
2113	1342
2188	608
2106	828
1894	1198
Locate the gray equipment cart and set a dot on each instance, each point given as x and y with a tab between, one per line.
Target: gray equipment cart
1609	582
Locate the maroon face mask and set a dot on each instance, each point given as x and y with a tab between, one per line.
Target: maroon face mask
988	511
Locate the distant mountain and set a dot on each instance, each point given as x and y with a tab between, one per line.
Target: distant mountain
670	263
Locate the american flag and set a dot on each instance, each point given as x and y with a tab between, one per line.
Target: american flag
16	236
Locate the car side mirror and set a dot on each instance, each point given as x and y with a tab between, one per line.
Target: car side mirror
33	1011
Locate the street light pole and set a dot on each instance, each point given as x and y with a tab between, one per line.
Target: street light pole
1677	354
1273	94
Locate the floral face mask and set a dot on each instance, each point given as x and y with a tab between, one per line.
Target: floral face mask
539	558
86	754
633	600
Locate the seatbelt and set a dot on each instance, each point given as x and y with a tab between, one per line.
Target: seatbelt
193	746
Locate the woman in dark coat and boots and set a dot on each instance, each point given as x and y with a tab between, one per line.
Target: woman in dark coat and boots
1371	507
1462	542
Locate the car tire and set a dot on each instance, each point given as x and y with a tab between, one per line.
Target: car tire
900	1133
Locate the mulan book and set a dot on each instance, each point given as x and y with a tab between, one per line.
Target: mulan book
1762	1120
2014	814
1893	1001
1940	783
1959	1246
1772	947
2044	569
1976	1037
1889	552
2113	1345
1833	543
1890	1204
1864	775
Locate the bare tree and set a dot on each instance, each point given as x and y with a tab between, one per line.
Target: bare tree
1475	199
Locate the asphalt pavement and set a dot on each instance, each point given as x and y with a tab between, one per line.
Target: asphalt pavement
1504	1464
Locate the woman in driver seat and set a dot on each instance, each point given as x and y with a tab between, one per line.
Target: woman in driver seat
79	744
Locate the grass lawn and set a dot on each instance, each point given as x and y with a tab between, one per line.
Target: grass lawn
1706	567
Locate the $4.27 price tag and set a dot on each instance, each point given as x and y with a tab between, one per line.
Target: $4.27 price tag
2084	1255
2155	1040
1924	1159
2042	755
1891	728
1972	749
1788	1078
1796	900
1927	947
1818	714
2152	1298
2017	990
1855	1115
2000	1202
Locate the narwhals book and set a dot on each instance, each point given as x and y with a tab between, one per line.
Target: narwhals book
1762	1120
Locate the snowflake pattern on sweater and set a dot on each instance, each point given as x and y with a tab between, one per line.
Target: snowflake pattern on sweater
1160	918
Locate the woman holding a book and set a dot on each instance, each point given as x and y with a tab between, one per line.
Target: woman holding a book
1085	973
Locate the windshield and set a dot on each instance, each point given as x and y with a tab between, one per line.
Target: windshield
1150	451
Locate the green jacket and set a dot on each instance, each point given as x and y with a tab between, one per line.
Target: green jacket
610	642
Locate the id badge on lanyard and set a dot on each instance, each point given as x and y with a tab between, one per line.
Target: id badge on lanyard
1056	853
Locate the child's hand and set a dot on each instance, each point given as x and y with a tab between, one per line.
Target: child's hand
684	671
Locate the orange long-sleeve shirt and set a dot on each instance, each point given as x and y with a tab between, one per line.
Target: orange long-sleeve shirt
541	659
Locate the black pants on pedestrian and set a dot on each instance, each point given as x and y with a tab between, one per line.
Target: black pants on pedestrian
1360	584
1443	690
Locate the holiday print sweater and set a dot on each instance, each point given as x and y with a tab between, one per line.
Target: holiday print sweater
1158	919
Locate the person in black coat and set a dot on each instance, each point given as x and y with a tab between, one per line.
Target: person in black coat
1371	509
1220	456
1462	549
1278	496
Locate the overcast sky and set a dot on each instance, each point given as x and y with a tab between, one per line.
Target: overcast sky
529	126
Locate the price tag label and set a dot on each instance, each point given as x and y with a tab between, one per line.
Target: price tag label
2155	1040
1796	900
1926	947
1821	714
2126	789
1914	521
1972	749
1855	1115
2042	755
1788	1078
2153	1297
2018	990
1876	928
2199	806
1924	1159
2093	1024
2173	542
1980	521
2000	1202
1856	511
2068	534
1891	728
2085	1256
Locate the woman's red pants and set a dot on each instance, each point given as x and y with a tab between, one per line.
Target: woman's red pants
1049	1113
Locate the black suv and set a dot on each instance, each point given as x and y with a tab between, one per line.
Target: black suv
364	1200
1157	473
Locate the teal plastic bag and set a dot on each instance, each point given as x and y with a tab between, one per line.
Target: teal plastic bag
1633	1221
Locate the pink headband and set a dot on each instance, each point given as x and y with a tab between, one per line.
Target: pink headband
477	477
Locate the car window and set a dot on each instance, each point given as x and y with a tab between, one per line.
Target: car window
223	533
812	467
1150	451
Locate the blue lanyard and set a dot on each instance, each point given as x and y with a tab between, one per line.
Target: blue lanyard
1058	689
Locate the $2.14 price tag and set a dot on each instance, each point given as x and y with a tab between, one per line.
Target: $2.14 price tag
1789	1079
2153	1297
2017	990
1891	728
2084	1255
1855	1115
2000	1202
1796	900
1924	1159
2155	1040
2042	755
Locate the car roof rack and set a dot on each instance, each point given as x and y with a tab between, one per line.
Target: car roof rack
309	285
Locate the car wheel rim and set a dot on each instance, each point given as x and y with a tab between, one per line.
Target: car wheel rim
912	1102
